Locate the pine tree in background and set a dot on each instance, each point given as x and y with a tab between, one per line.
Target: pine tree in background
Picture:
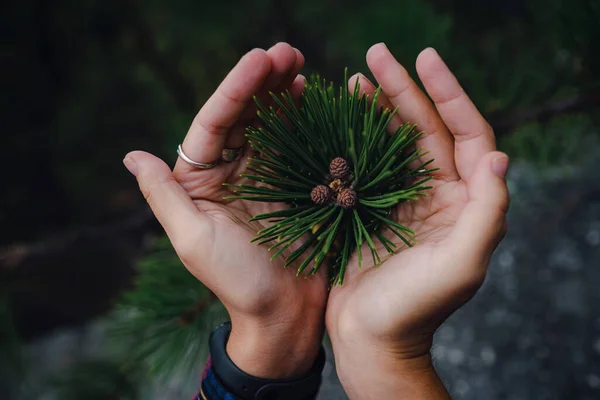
158	332
164	322
334	163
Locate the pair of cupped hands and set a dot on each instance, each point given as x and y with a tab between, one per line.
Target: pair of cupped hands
382	320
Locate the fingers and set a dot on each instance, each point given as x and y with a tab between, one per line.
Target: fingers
482	224
207	136
414	107
294	82
293	74
169	202
369	89
297	87
285	66
473	136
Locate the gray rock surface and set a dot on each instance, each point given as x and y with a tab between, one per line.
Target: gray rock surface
533	330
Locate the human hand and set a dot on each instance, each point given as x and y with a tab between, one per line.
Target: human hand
277	318
381	321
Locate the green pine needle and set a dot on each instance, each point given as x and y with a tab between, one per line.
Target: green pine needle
295	147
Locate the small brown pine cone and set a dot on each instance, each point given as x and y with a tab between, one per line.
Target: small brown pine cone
347	198
320	194
339	168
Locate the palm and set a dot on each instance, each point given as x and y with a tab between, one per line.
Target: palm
231	229
218	249
364	290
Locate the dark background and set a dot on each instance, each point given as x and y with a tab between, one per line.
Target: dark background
84	82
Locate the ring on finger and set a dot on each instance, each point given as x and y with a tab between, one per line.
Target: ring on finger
196	164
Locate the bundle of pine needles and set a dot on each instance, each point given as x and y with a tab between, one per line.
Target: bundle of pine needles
332	161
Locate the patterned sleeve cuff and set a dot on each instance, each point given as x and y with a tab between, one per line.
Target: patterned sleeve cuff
211	388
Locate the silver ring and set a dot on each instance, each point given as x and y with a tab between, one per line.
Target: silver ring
188	160
229	155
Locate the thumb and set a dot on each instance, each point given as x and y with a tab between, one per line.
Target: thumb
170	203
482	223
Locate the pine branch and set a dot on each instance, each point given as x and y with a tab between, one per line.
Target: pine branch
334	164
165	329
196	311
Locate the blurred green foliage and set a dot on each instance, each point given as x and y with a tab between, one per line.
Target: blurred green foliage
563	141
91	80
162	324
157	333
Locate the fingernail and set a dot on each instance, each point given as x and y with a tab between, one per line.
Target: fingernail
500	166
432	49
131	165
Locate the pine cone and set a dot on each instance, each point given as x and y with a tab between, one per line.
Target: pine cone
346	198
320	194
339	168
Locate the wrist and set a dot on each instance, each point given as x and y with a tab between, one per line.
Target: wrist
370	372
371	365
274	350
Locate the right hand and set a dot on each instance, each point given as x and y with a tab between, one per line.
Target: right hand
277	318
385	317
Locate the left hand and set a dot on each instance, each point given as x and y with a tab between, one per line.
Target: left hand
381	321
277	318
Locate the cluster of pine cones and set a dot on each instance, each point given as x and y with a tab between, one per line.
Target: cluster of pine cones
339	189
